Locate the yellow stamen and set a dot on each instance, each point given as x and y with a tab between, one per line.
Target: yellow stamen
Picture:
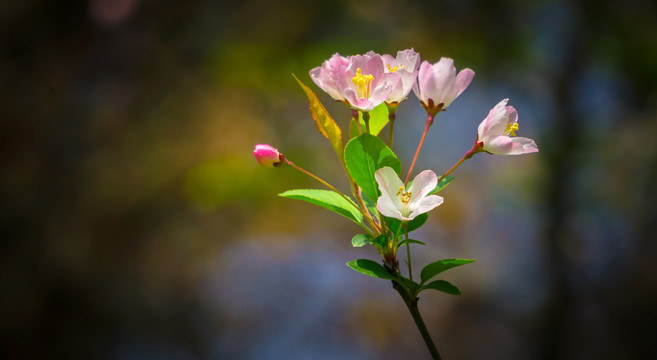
394	69
511	128
404	196
364	83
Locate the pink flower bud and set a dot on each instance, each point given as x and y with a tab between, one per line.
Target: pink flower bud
267	155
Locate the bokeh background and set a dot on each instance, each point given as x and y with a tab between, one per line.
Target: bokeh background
135	223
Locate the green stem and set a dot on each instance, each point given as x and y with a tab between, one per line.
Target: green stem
391	120
392	116
408	252
411	304
354	115
366	119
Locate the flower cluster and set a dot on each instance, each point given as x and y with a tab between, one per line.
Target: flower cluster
365	81
383	205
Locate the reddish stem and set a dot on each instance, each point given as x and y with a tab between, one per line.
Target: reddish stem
417	152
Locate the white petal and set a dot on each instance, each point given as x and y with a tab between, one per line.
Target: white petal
427	204
423	183
388	209
389	184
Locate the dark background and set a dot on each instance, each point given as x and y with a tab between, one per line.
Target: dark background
135	223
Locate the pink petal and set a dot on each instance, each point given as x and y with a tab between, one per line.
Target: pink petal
495	123
463	79
388	60
425	82
504	145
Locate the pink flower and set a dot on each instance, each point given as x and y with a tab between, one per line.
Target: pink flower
438	84
326	76
267	155
496	134
406	66
364	83
404	205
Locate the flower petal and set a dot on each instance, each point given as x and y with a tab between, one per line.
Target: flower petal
389	184
504	145
386	209
426	204
463	79
422	185
495	123
425	82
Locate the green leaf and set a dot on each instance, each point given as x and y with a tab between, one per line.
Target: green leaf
361	240
411	241
365	155
409	284
353	129
370	205
414	224
444	286
444	182
370	268
327	199
378	120
439	266
380	241
323	120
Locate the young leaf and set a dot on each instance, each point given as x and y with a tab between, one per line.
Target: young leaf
444	182
439	266
323	120
370	268
380	241
411	241
361	240
444	286
327	199
366	154
414	224
378	120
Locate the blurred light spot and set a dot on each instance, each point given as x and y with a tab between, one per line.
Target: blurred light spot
110	12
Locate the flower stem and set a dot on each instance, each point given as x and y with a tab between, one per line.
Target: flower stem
408	252
411	304
392	116
354	115
366	119
424	135
468	154
363	210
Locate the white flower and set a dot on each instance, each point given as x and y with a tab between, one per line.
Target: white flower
396	202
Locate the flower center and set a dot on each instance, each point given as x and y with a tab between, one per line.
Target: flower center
404	196
395	68
364	83
511	128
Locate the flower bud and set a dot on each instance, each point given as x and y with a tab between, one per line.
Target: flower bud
267	155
